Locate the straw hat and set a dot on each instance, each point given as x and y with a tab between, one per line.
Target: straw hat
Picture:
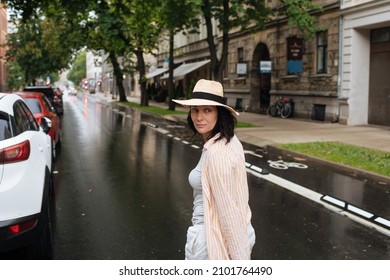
205	93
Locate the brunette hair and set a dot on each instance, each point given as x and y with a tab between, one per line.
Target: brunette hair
225	125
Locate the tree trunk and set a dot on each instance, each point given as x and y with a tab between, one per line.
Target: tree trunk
217	65
171	90
225	42
26	77
118	76
206	8
142	81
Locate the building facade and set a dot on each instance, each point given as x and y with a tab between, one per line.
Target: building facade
94	71
365	70
276	61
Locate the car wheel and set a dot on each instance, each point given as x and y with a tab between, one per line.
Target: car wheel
42	249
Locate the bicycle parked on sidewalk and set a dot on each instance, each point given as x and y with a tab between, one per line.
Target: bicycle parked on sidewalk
281	107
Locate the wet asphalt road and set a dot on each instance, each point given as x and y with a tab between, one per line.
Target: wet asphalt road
122	193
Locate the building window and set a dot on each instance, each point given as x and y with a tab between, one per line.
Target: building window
322	47
241	67
240	55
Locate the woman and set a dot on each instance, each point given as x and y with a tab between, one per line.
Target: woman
221	227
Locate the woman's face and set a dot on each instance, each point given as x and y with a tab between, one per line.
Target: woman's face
204	119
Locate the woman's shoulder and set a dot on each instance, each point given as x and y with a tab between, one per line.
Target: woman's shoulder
223	145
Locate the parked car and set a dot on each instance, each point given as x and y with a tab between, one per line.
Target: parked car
41	107
55	99
26	180
72	91
58	92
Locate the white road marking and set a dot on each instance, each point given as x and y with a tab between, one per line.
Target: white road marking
316	197
252	153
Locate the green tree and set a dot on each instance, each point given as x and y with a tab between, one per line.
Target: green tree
106	33
30	8
125	30
177	16
119	28
78	71
141	28
37	47
15	76
24	47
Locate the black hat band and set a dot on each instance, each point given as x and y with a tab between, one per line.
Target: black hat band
208	96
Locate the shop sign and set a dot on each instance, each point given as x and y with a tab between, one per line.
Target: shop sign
241	68
294	55
265	66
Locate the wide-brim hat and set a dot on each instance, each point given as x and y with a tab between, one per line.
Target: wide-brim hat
206	93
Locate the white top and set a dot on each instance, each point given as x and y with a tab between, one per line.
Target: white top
195	181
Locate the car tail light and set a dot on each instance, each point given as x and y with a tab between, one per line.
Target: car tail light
15	153
18	228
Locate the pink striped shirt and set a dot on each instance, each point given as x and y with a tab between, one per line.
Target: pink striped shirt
225	197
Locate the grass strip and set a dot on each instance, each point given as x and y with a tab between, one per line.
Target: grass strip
152	109
163	111
359	157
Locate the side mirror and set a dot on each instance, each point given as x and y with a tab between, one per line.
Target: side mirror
46	124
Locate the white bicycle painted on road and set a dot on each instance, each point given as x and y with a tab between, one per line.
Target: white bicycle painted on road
280	164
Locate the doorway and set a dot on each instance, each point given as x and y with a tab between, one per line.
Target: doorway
260	80
379	98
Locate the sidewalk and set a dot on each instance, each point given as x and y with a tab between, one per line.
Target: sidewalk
269	130
279	131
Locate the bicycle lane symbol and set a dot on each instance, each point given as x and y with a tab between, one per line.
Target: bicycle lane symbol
280	164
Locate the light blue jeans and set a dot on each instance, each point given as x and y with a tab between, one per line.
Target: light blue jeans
196	246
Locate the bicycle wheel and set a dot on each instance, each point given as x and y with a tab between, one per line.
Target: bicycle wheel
272	111
286	111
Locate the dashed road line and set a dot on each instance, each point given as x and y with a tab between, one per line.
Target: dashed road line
343	208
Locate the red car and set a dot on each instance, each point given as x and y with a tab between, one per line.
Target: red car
41	107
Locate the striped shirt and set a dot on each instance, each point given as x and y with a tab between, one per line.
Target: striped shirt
225	197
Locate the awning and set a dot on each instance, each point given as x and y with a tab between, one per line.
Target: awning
156	72
185	68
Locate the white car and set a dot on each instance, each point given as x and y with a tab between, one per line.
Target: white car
26	181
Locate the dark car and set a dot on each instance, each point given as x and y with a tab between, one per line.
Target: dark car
55	99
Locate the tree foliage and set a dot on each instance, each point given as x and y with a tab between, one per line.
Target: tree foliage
300	13
140	19
15	76
39	46
177	16
124	30
78	71
51	31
